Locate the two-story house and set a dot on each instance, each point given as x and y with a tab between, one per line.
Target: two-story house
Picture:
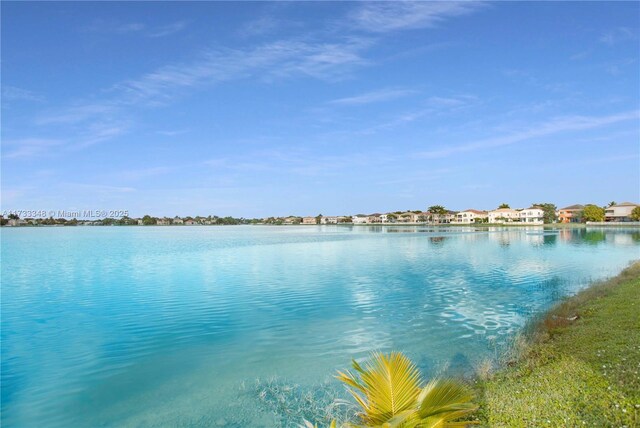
470	216
620	212
532	215
503	215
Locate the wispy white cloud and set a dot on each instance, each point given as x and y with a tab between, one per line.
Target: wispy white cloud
111	27
167	30
12	93
76	114
98	132
618	35
172	133
132	27
374	96
259	27
27	147
617	68
87	124
531	78
380	17
139	28
93	133
320	58
401	119
98	121
555	126
432	106
520	75
580	55
281	59
421	50
315	56
451	102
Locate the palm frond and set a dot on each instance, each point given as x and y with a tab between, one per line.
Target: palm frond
443	401
387	386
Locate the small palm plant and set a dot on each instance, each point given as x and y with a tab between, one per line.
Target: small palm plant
390	393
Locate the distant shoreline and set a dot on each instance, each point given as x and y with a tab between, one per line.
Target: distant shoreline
474	225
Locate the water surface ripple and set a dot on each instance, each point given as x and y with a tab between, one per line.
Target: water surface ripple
173	326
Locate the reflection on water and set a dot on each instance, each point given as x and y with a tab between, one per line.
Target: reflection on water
437	241
593	237
212	326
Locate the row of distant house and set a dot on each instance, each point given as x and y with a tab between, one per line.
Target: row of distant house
614	213
532	215
177	220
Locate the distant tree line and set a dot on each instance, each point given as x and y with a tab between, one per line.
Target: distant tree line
147	220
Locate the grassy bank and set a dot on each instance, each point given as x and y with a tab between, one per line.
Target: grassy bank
579	366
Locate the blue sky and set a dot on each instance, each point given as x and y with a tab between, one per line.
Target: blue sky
256	109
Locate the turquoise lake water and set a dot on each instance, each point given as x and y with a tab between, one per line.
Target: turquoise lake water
245	326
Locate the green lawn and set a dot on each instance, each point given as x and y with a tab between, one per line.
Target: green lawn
572	373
